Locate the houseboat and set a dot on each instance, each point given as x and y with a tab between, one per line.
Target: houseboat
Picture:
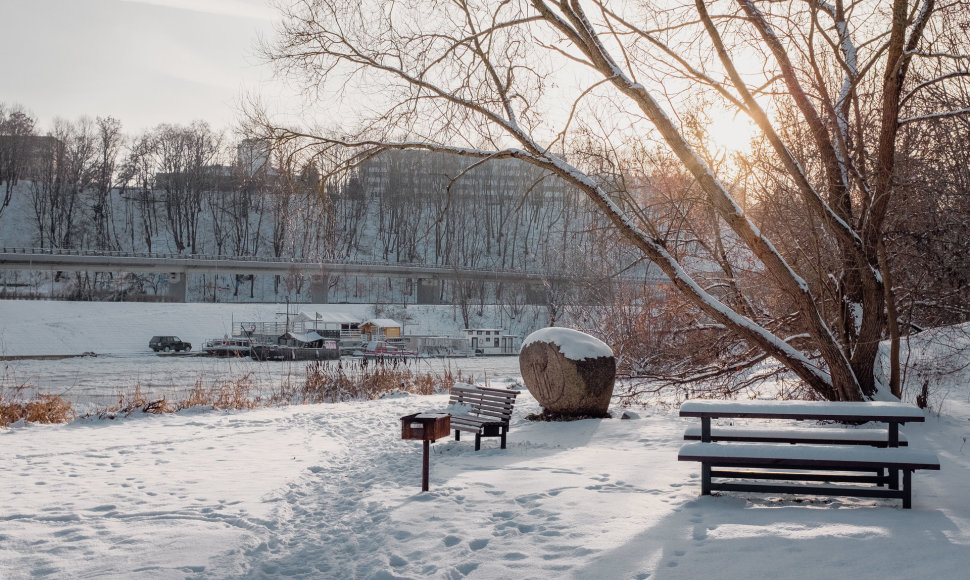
492	342
227	346
345	329
382	349
298	346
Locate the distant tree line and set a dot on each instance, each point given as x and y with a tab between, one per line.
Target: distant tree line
192	189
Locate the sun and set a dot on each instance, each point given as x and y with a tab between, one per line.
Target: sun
731	133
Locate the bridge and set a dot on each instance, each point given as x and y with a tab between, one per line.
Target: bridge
178	266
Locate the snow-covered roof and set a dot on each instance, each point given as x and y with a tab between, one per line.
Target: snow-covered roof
383	323
336	318
304	336
573	344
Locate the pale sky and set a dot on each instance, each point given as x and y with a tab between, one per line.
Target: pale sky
144	62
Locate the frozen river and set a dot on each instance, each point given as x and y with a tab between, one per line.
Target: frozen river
96	382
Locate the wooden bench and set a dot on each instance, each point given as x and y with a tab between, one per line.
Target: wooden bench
830	455
483	411
820	435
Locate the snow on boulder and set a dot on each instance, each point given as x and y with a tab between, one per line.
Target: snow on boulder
570	373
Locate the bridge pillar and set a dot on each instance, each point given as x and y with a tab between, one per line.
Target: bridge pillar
177	286
536	293
320	289
429	291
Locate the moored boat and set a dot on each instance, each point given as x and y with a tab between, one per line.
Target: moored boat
298	346
234	346
381	349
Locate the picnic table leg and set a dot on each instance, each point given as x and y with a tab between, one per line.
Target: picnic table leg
907	489
893	442
705	467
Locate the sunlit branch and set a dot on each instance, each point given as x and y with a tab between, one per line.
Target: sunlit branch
932	116
939	79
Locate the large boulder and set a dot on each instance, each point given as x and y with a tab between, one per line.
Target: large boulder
570	373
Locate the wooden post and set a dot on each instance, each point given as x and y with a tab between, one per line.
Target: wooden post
426	465
894	442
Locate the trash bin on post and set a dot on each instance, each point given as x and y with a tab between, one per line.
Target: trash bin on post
426	427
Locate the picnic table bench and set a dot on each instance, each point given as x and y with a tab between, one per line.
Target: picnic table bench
824	454
484	411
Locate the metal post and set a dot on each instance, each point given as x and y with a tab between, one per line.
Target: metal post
426	464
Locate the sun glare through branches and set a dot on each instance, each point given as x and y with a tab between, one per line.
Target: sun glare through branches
731	133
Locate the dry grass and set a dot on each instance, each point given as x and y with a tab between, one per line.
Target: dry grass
354	380
325	382
44	408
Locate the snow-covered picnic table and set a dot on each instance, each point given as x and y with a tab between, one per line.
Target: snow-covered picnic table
827	452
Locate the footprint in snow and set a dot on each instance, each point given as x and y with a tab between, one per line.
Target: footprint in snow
476	545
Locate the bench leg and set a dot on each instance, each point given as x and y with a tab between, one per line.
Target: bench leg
503	437
907	489
705	479
478	441
457	435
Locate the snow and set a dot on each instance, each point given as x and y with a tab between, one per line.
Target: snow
815	432
382	323
806	408
573	344
331	491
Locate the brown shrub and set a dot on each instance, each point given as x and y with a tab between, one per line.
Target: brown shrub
45	408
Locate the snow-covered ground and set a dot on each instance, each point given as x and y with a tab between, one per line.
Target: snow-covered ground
331	491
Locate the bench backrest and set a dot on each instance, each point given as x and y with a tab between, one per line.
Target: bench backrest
485	402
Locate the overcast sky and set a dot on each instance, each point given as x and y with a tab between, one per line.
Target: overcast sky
142	61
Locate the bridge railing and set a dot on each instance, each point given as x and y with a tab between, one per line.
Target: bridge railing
304	262
261	259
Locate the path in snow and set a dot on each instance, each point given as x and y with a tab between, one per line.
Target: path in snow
359	512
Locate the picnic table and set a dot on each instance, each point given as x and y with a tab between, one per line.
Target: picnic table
818	454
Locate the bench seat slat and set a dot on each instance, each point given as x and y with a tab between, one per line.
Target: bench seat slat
874	492
466	427
470	420
823	456
487	390
477	412
484	405
804	410
821	435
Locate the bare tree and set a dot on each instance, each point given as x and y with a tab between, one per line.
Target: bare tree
16	127
525	78
137	178
185	158
65	173
109	140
